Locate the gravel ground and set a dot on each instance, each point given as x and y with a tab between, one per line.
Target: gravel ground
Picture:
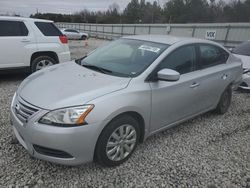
207	151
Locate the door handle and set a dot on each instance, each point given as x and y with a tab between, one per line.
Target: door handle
25	40
224	76
194	85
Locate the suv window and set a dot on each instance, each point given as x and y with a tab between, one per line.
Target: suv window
212	55
181	60
48	29
13	28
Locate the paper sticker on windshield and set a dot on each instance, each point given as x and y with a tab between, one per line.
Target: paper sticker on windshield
149	48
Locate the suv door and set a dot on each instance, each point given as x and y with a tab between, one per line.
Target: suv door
13	39
175	101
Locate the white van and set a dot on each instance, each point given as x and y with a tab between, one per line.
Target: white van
31	43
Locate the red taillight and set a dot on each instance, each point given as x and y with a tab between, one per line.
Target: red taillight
63	39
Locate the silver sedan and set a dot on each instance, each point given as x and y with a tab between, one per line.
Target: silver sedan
74	34
100	107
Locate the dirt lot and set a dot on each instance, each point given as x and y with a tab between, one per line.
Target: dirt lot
208	151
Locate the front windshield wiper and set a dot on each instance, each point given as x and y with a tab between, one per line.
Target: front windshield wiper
79	61
100	69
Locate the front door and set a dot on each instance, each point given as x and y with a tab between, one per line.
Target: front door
13	39
174	101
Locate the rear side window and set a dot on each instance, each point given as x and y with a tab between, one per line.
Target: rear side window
212	55
181	60
48	29
12	29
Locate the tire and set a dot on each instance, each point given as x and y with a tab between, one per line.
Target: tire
41	62
126	146
225	101
83	37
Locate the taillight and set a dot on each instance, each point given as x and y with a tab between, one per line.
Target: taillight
63	39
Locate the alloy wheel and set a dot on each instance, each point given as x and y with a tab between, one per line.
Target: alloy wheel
43	64
121	142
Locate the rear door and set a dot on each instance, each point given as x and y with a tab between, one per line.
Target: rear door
213	74
14	41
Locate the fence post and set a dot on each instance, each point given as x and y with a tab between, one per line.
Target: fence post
193	31
96	31
103	31
112	32
122	30
228	29
149	29
134	29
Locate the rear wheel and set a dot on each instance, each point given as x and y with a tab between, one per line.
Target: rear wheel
225	101
117	141
83	37
41	62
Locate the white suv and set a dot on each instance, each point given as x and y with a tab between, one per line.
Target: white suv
31	43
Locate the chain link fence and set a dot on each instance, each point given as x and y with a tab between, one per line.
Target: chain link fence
227	34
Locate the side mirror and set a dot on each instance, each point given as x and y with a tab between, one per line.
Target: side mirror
230	50
168	75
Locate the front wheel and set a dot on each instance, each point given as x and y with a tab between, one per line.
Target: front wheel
117	141
225	101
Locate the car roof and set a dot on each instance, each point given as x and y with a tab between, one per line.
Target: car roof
16	18
167	39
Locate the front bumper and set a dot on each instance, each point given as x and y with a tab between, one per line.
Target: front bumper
245	82
78	142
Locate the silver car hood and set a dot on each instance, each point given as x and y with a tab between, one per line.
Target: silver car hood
67	84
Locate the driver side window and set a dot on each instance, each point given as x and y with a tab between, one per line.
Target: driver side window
181	60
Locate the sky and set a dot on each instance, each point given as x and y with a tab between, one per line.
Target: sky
27	7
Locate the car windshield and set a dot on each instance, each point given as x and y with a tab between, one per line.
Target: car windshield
243	49
124	57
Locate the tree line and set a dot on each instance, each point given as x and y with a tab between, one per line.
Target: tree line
173	11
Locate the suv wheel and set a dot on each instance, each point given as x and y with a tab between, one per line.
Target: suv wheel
225	101
117	141
41	62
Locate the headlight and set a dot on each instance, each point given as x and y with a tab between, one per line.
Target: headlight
67	117
13	99
246	71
